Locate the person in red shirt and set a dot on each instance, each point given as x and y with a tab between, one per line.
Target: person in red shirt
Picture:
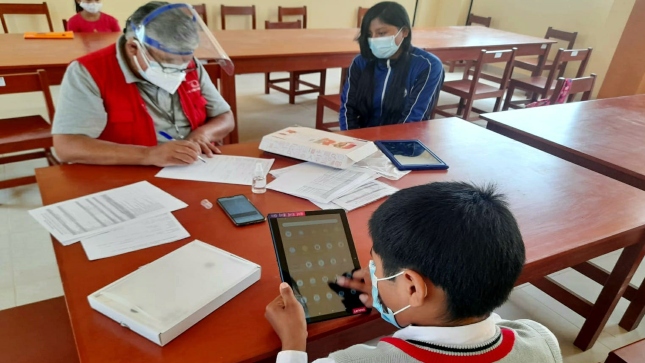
91	19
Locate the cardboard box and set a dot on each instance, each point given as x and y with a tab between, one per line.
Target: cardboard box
321	147
166	297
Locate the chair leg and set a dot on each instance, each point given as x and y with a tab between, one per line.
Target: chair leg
509	97
451	68
267	80
460	106
320	112
498	102
292	88
323	81
469	106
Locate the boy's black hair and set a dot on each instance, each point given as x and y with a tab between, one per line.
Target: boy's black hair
461	237
391	13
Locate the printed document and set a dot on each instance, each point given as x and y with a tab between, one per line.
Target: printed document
365	194
319	183
144	233
90	215
218	169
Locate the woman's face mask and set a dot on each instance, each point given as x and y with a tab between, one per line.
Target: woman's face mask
92	8
384	47
163	75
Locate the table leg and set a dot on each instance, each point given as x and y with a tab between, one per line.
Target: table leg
635	311
610	294
227	90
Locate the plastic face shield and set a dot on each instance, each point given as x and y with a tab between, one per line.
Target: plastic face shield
208	49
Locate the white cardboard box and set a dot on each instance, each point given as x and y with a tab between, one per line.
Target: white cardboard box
167	296
321	147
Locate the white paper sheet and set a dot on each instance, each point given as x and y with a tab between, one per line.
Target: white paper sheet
381	164
319	183
134	236
363	195
218	169
96	213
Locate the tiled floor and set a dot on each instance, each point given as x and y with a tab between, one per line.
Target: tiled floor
28	270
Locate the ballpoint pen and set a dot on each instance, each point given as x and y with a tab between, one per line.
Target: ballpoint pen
170	138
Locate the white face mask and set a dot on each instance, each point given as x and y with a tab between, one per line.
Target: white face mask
93	8
384	47
155	74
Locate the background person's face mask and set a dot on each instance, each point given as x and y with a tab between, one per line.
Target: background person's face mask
376	299
384	47
155	74
93	8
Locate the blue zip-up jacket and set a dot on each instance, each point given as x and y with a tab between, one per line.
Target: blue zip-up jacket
422	86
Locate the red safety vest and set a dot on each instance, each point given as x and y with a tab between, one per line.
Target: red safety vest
128	120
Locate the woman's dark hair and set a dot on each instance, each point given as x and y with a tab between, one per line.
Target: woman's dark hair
78	7
394	14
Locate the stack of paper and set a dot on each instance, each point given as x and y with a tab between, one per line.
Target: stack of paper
330	188
319	183
218	169
115	221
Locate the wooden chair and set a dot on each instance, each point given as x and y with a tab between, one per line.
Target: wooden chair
27	133
472	20
294	77
24	9
532	63
633	353
582	85
471	90
542	87
361	15
237	10
38	332
201	10
64	24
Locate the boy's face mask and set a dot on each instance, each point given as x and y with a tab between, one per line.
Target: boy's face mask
376	299
384	47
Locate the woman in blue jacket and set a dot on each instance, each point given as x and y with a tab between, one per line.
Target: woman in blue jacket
390	82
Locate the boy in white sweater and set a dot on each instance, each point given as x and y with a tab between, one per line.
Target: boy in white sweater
444	256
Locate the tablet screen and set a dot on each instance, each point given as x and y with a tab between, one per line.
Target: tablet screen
410	153
316	248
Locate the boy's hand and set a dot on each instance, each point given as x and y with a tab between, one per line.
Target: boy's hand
287	317
360	281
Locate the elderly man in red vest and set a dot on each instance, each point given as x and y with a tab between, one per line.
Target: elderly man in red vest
116	103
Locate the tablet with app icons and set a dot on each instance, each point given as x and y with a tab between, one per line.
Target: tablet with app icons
313	248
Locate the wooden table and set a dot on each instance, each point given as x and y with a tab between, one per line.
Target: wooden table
561	208
260	51
606	136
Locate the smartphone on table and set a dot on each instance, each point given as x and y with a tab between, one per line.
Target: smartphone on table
240	210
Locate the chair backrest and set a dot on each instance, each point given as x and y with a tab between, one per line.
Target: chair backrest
302	11
582	85
563	57
201	10
237	10
214	72
283	25
28	82
64	24
492	57
361	15
24	9
567	37
479	20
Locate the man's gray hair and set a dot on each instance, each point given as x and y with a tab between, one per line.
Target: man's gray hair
174	29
